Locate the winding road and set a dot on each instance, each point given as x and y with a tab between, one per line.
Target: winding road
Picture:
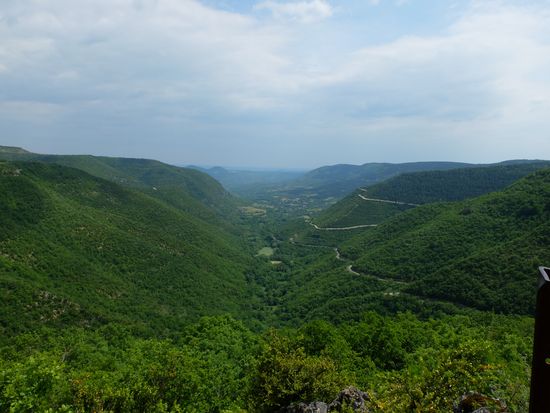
363	225
341	228
384	200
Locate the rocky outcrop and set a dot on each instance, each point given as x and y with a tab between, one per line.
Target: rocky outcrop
315	407
478	403
350	397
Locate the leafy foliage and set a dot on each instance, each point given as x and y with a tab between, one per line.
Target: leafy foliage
218	365
75	249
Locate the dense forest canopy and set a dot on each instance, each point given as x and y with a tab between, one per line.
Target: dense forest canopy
131	285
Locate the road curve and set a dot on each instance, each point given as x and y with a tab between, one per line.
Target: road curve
385	200
342	228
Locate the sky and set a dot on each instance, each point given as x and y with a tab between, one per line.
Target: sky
273	83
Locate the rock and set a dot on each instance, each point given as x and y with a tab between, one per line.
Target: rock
315	407
478	403
350	397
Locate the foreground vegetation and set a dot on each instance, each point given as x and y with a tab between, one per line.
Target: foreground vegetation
217	364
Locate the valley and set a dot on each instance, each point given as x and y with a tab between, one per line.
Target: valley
134	285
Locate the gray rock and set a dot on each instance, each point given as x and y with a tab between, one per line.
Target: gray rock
471	402
350	397
315	407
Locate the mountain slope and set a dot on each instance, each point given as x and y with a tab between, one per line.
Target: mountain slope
12	150
452	185
339	180
410	189
480	252
76	249
186	189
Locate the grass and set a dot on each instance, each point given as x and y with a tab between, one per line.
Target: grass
266	252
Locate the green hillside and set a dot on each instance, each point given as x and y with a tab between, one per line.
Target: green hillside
354	210
453	185
423	187
322	187
184	188
480	252
122	280
12	150
339	180
80	250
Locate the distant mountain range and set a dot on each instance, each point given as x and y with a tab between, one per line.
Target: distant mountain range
322	187
240	181
339	180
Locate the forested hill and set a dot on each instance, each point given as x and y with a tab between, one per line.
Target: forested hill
452	185
80	250
339	180
481	252
410	189
184	188
12	150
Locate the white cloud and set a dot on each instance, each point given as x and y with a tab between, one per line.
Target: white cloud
117	51
135	67
305	11
492	63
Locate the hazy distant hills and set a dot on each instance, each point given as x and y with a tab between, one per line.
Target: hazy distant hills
242	181
423	187
12	150
324	186
80	250
339	180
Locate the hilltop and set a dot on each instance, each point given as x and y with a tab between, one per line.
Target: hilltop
187	189
12	150
336	181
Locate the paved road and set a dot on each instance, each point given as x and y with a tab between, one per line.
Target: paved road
385	200
387	280
342	228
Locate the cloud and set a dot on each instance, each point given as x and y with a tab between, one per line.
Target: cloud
179	71
130	54
492	63
304	11
396	2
